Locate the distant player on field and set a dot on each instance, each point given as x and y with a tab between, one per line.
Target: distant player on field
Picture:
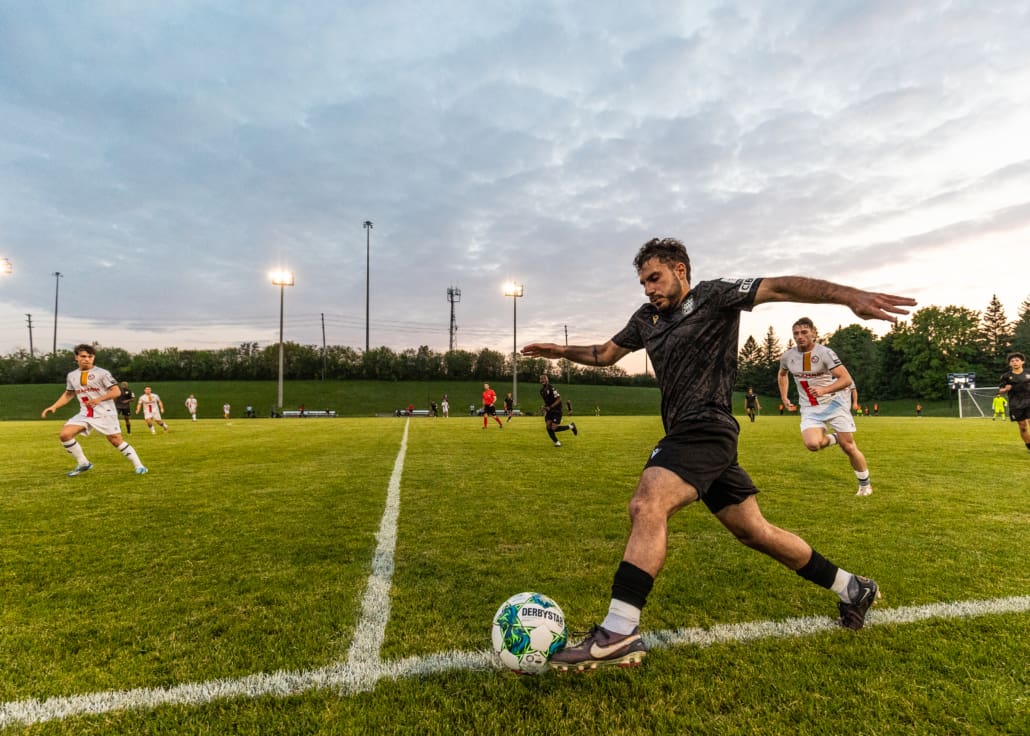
552	410
999	407
152	407
751	404
96	390
824	395
124	405
1015	384
191	406
489	399
509	407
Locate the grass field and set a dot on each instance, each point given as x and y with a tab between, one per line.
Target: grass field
229	590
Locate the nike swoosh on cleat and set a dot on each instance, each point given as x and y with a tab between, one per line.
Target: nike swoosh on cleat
599	652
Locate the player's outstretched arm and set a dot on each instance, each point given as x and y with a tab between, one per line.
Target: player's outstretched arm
866	304
61	401
599	355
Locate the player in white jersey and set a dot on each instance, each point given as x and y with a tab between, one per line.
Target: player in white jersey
96	390
824	396
191	406
152	407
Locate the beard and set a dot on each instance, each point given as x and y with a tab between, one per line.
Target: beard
671	299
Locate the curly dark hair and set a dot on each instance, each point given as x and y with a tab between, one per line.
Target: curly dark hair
667	250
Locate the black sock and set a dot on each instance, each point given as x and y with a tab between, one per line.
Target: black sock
631	584
554	437
819	570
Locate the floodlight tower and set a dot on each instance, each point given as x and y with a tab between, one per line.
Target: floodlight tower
453	296
515	292
282	279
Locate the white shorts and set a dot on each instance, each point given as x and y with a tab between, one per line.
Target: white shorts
154	414
836	414
106	424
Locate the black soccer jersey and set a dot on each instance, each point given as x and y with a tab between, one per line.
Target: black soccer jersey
549	394
694	349
1019	394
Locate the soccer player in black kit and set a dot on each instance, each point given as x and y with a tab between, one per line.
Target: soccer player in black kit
552	410
123	403
690	333
1015	386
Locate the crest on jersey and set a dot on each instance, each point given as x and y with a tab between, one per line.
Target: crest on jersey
654	319
688	305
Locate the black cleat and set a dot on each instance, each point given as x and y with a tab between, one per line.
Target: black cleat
601	648
852	615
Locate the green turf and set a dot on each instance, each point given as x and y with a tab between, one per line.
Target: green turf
247	548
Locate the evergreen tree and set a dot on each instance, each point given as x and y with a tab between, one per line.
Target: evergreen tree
996	335
1021	329
750	364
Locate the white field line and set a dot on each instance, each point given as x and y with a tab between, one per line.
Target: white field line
363	668
363	657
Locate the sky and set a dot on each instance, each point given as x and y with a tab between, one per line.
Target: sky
164	157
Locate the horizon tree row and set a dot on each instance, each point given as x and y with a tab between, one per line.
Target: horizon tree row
912	360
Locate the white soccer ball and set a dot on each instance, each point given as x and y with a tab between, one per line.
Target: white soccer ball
528	628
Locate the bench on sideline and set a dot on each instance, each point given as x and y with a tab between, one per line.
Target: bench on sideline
305	414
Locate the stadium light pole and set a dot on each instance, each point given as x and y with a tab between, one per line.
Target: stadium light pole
514	291
368	270
57	290
282	279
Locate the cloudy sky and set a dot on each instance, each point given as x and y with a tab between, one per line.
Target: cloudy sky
165	156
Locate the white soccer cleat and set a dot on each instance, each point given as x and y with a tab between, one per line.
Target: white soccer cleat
142	470
866	490
557	444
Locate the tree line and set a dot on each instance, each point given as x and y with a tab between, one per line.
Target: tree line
249	362
914	359
911	361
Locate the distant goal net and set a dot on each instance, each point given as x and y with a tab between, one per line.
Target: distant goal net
976	403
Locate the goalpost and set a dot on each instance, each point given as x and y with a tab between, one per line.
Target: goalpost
976	402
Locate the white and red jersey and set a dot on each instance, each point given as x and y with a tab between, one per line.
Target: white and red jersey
93	384
151	404
191	405
811	370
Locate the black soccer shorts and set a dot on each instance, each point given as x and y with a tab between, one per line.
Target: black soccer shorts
704	454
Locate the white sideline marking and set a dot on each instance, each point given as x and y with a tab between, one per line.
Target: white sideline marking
355	676
363	668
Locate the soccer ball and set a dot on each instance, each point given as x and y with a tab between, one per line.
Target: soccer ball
528	628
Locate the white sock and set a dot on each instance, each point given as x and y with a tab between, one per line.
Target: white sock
840	585
75	450
833	439
622	618
863	477
126	449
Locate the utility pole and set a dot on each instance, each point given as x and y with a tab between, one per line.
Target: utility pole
32	352
57	290
323	346
368	272
568	364
453	296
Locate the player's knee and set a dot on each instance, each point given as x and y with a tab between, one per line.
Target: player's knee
813	445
